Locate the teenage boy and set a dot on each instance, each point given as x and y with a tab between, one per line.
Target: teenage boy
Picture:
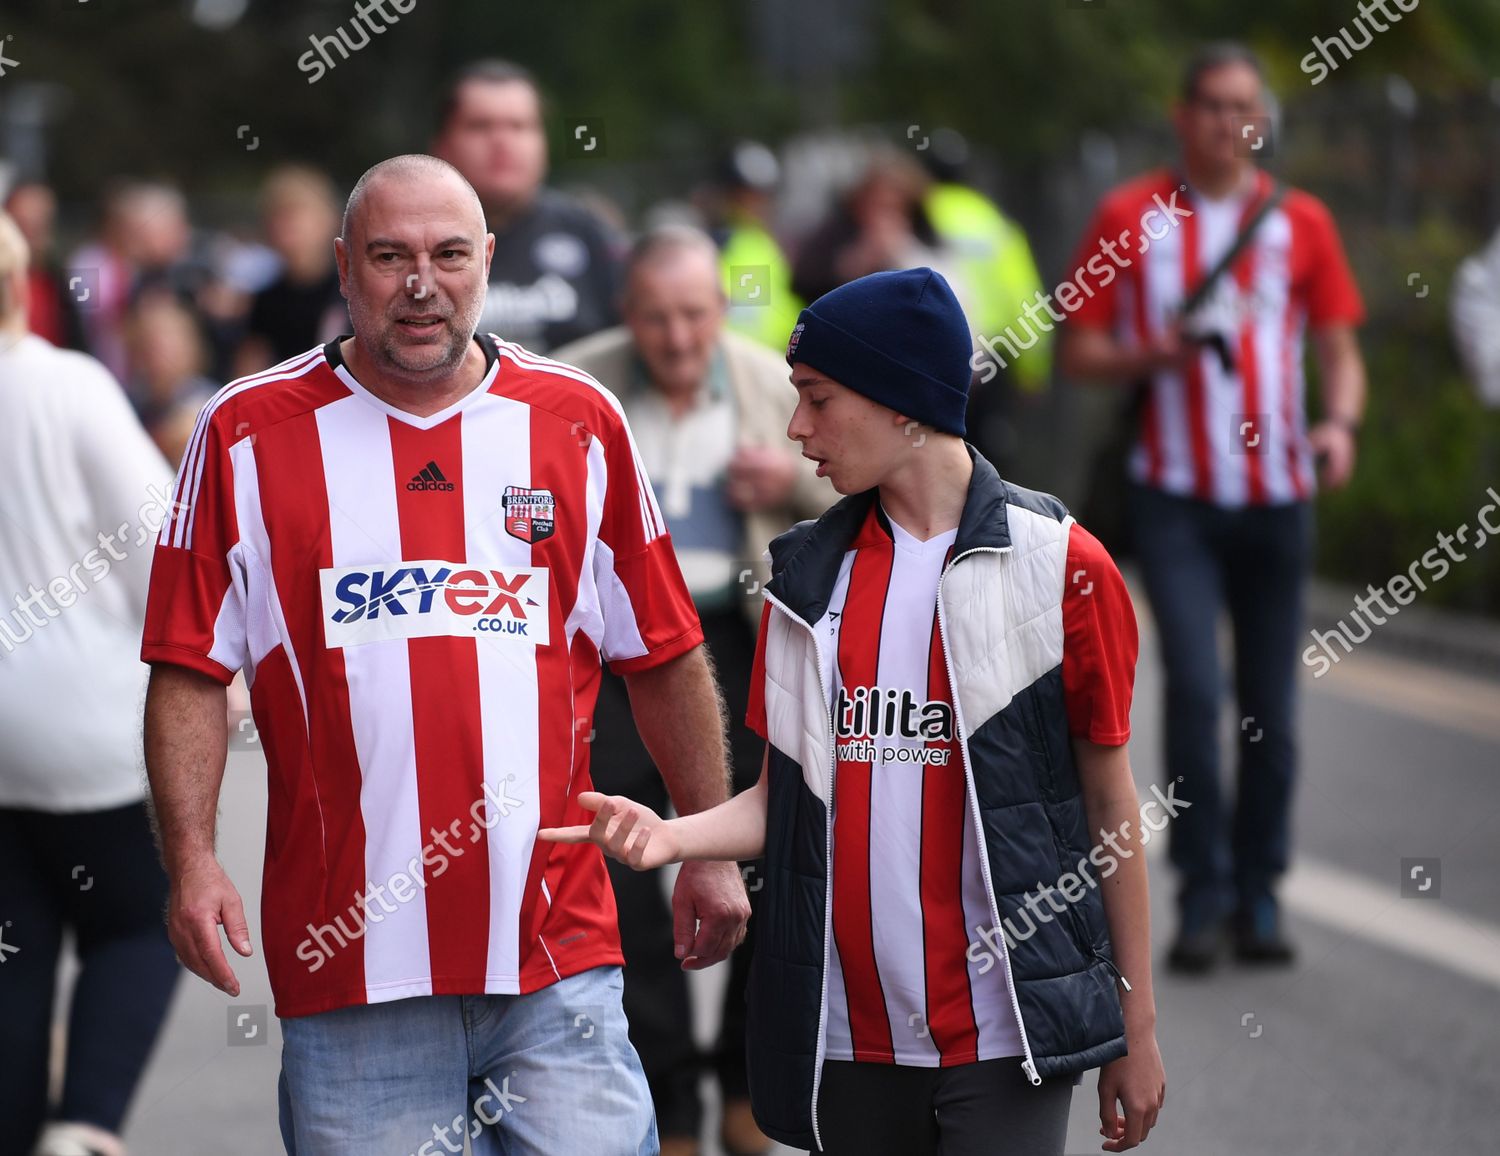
943	676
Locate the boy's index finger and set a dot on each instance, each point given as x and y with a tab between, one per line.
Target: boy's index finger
564	834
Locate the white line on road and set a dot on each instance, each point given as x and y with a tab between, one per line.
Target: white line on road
1420	928
1351	903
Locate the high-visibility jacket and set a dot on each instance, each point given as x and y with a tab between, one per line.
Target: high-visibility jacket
996	265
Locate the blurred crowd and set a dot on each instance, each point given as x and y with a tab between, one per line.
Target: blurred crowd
175	308
685	315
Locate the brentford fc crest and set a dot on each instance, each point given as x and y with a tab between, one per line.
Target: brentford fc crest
530	515
796	338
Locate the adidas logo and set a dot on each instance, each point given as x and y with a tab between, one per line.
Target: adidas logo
430	478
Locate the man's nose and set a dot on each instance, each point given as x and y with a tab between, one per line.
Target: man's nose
419	283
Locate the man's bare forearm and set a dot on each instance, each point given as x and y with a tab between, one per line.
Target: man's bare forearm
187	739
680	716
1095	355
1341	374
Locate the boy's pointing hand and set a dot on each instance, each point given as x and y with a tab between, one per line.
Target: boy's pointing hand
625	830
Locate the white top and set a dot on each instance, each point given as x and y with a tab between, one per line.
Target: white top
82	492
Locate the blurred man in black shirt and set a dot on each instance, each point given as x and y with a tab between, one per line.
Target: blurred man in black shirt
555	274
300	211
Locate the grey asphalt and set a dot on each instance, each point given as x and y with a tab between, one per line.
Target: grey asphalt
1361	1048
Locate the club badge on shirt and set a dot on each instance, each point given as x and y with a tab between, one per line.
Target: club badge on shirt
530	515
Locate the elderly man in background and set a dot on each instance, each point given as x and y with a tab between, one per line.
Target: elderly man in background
709	409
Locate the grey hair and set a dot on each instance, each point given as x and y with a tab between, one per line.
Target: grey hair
671	237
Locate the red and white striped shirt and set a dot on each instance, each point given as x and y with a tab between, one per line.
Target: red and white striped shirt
908	888
420	605
1232	437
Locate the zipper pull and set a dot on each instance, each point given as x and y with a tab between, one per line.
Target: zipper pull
1030	1069
1109	963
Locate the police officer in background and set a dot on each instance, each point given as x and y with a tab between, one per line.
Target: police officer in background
555	273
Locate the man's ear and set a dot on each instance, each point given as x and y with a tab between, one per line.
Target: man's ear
341	261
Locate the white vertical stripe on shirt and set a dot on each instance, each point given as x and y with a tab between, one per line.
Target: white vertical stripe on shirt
840	1044
364	528
496	435
896	806
1271	284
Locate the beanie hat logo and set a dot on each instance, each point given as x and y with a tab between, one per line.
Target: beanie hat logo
900	338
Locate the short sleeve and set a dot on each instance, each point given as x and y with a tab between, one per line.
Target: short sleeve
1096	277
1332	295
1100	643
649	617
755	712
195	607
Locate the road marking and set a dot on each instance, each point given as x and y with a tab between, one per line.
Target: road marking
1351	903
1420	928
1417	690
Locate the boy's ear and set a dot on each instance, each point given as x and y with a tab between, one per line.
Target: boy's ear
901	419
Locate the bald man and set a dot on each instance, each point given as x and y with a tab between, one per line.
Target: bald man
420	543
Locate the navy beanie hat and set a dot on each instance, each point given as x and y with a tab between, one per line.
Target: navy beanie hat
899	338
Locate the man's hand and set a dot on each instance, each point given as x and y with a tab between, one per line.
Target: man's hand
1172	349
625	830
761	477
1333	443
709	913
202	899
1139	1084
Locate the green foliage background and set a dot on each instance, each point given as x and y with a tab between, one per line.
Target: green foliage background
148	92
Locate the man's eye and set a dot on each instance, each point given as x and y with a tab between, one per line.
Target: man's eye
385	258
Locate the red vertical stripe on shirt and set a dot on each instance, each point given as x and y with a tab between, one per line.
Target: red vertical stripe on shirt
575	876
1193	377
950	1006
853	919
445	714
301	857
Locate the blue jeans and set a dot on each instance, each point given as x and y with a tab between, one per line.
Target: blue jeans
1198	560
546	1074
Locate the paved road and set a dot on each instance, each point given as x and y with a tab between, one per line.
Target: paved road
1385	1039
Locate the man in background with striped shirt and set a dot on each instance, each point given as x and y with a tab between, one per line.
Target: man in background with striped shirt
1223	468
